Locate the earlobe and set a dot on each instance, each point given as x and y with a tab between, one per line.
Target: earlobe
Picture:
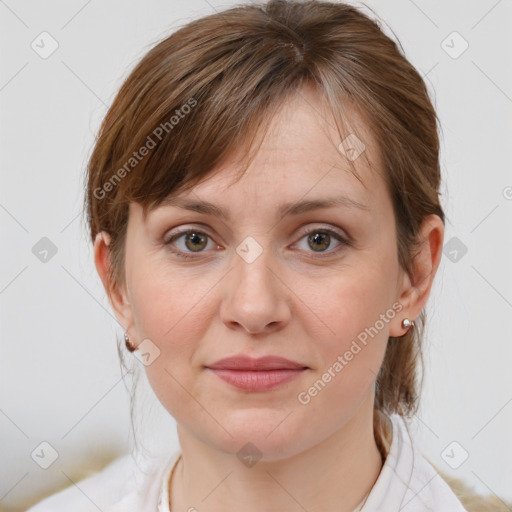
416	287
405	291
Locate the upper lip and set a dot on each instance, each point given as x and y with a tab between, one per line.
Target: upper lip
243	362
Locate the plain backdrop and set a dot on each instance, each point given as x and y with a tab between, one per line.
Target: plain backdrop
60	377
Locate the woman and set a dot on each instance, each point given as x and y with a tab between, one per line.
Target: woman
263	198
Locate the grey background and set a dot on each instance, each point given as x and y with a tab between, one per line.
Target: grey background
60	377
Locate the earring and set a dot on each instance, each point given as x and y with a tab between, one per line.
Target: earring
127	343
406	323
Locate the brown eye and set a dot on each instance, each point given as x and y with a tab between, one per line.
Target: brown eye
319	241
185	243
195	241
322	241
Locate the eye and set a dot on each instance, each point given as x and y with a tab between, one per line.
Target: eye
193	241
321	239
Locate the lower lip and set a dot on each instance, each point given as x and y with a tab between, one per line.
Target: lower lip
257	380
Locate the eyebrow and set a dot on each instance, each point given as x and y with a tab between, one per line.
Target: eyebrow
295	208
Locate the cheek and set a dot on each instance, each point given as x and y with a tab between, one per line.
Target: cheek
351	350
171	310
168	303
355	302
357	311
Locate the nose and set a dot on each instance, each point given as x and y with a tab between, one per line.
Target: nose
255	298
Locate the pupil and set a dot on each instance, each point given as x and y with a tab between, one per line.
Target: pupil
195	238
318	237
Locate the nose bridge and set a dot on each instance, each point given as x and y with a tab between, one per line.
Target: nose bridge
252	261
255	297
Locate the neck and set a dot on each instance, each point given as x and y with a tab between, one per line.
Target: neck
334	475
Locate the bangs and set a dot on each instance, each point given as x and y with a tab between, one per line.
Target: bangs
206	104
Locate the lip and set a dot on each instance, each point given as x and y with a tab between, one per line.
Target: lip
259	374
243	362
259	380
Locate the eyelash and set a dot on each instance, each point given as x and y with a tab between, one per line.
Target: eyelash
187	256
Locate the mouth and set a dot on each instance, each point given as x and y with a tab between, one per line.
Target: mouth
261	380
260	374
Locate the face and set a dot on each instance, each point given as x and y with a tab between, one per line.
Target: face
315	286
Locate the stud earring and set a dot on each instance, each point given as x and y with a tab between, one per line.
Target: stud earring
129	346
406	323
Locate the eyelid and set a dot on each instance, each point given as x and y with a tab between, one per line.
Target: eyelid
183	230
304	230
312	226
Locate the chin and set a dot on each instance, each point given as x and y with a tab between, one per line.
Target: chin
258	433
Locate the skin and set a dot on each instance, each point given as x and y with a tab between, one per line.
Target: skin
289	301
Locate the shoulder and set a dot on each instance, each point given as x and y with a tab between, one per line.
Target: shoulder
430	490
407	481
472	501
433	489
125	484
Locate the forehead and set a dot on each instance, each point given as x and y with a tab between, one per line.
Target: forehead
306	120
302	145
301	156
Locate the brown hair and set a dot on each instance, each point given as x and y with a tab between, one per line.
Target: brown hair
215	83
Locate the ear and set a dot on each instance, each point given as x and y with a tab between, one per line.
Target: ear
116	295
414	289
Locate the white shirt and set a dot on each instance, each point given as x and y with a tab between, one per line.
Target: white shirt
406	483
